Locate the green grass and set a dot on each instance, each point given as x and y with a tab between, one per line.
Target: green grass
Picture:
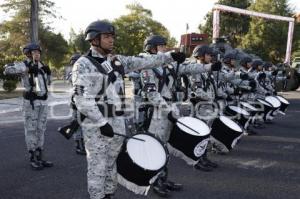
8	95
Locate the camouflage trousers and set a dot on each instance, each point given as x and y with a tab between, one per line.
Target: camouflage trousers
102	153
160	126
35	121
78	134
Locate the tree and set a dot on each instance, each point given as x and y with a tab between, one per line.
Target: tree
232	25
15	32
267	38
77	42
132	30
55	48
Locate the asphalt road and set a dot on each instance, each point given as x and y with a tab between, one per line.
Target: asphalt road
266	166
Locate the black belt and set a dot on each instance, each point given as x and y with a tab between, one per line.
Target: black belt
110	110
168	99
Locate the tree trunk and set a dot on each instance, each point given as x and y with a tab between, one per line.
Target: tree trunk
34	21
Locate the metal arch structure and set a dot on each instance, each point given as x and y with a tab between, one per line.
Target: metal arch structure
216	23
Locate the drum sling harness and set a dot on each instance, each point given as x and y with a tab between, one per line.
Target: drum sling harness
31	95
70	129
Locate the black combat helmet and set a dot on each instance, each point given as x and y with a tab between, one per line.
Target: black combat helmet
31	47
98	27
256	63
201	50
245	60
26	49
267	65
228	57
153	41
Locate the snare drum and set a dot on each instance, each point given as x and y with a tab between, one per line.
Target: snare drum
238	114
225	133
189	139
139	163
284	104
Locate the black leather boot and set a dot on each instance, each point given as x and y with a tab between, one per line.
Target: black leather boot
45	163
160	189
34	163
80	148
251	132
202	165
208	161
172	186
259	125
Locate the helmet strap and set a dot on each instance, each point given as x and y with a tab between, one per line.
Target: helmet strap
105	51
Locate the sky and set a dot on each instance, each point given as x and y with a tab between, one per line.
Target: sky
173	14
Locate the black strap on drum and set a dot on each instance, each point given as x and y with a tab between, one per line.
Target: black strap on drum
161	77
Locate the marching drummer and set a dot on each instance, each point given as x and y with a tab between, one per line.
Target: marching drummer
98	91
78	137
160	87
202	93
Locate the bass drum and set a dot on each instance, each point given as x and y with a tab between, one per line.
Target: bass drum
238	114
284	104
140	162
264	108
275	102
189	139
249	108
225	133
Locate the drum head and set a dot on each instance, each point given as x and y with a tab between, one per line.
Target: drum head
239	110
231	124
264	102
194	123
150	155
274	101
245	104
282	99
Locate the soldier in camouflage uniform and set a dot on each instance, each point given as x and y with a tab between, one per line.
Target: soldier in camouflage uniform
202	94
139	109
260	78
35	78
99	95
78	137
160	88
230	80
245	68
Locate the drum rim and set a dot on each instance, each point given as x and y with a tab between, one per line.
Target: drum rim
251	107
157	139
264	102
282	99
197	120
227	118
246	112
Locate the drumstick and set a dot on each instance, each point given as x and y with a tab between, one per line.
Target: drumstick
188	127
127	137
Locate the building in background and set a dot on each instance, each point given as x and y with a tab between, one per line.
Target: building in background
189	41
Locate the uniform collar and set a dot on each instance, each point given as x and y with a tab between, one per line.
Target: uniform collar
95	53
226	67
